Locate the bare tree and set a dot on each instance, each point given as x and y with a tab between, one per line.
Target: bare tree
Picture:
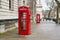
58	3
51	8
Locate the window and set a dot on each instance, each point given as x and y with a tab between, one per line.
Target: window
11	4
0	3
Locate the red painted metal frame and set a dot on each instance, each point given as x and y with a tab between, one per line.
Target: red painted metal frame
37	18
27	11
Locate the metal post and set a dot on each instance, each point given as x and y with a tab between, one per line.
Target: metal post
33	11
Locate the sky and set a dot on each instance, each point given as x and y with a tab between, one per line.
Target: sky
44	5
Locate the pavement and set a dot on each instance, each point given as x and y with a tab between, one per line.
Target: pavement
46	30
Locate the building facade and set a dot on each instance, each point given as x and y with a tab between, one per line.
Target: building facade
8	9
8	14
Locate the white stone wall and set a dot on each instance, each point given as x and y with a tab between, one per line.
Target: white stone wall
5	13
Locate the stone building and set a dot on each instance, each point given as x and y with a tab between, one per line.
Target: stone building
8	14
8	9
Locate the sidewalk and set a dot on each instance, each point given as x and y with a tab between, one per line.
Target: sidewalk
46	30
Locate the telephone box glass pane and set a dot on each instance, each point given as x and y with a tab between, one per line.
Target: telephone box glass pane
23	21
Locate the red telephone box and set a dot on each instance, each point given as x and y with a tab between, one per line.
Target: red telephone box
37	18
24	20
